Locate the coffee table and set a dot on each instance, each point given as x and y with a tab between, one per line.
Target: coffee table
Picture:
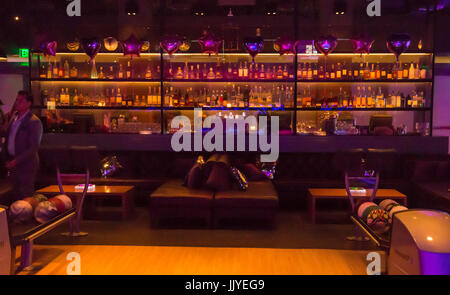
122	191
340	194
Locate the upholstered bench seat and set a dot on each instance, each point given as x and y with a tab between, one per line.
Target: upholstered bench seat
173	200
258	202
260	194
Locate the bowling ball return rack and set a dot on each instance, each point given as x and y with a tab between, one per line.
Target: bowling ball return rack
24	235
381	240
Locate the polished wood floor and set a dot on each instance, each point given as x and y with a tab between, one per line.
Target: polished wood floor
139	260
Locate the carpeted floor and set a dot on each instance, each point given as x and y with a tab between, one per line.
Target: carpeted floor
292	231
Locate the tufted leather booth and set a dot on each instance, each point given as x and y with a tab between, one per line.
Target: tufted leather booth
295	172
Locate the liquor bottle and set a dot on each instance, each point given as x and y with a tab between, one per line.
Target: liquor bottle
321	73
219	74
358	97
369	97
344	71
75	98
261	74
66	70
246	96
129	70
185	71
158	96
197	72
179	74
361	71
399	72
211	74
55	70
422	99
148	72
414	99
417	72
411	72
61	70
120	74
299	71
110	75
373	74
424	72
309	72
367	71
245	71
204	71
49	70
333	72
67	96
279	73
229	74
170	73
405	71
304	72
43	72
389	73
94	74
355	72
268	73
240	71
383	73
235	72
118	97
101	75
191	73
338	71
150	100
301	98
400	100
380	101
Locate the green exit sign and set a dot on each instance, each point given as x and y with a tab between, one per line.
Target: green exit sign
24	52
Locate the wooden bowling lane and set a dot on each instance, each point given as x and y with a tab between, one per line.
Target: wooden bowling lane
151	260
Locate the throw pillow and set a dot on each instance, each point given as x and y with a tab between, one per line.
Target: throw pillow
219	178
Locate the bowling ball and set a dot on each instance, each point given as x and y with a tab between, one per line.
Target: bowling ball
395	209
33	202
45	211
66	200
388	204
378	220
40	197
20	211
363	207
59	204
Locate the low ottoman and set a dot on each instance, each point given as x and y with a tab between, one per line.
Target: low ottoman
258	202
173	200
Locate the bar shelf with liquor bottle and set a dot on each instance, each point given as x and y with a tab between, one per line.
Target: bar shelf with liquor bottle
231	84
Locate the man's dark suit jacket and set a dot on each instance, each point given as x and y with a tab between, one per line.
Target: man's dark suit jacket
27	141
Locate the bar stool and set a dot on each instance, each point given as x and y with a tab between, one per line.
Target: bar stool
83	159
361	176
75	178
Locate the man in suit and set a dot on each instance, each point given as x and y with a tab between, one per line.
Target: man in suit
22	139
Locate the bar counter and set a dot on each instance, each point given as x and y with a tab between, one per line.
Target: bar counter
288	143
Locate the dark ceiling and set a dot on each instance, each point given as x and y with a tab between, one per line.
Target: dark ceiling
41	19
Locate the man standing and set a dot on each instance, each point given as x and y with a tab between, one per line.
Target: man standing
23	137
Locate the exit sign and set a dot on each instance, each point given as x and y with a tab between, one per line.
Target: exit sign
24	52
